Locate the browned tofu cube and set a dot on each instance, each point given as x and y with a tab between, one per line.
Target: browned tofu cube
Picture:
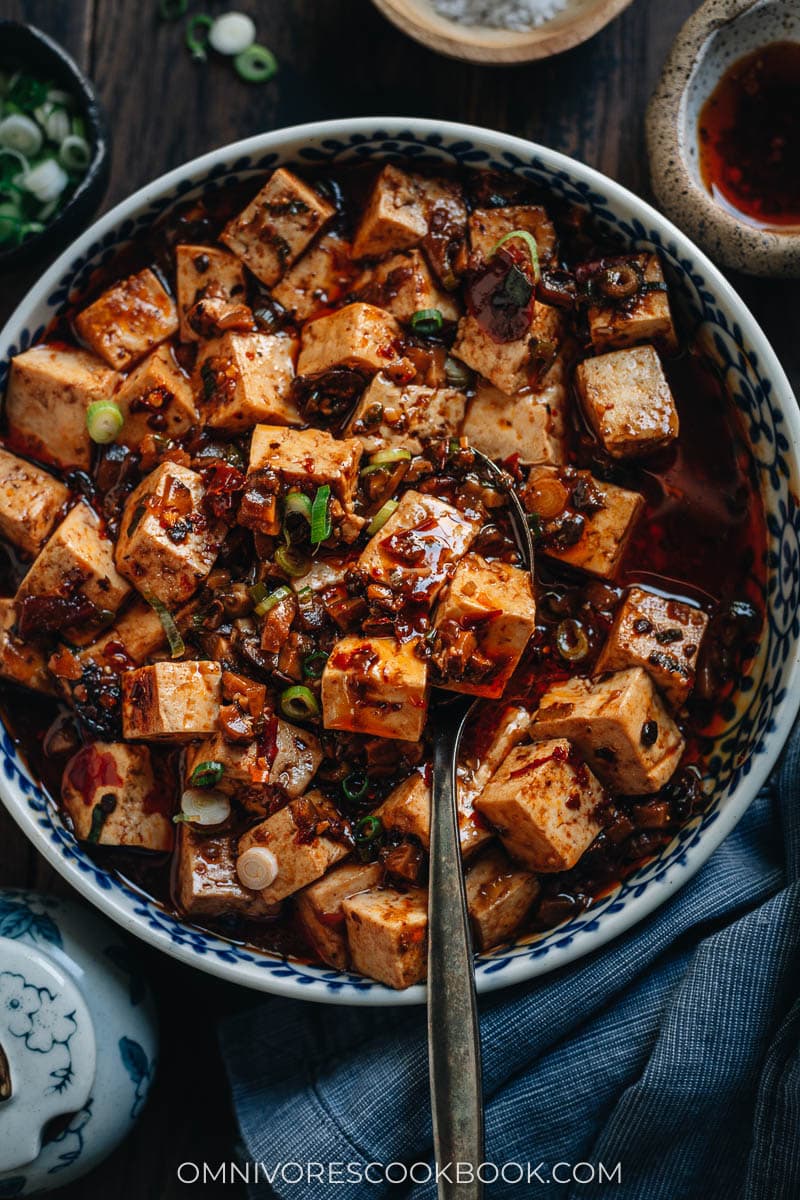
407	810
395	216
277	225
156	398
321	915
544	803
628	402
244	378
30	503
499	896
171	701
403	284
591	534
306	458
619	725
643	317
298	838
359	336
483	623
21	662
319	278
206	881
488	225
49	391
136	635
417	550
387	932
113	799
511	366
494	731
297	757
375	686
390	415
78	559
660	634
128	320
530	424
167	545
205	273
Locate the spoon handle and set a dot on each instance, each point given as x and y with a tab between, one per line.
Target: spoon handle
454	1052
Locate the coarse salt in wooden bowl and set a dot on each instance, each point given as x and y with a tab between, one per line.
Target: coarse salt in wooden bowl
575	23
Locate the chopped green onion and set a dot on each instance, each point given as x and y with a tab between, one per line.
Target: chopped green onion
427	321
196	41
530	242
203	807
321	524
104	421
264	600
100	814
13	165
232	34
19	132
314	664
75	153
571	640
458	375
384	458
57	124
299	703
381	516
256	64
368	835
57	96
207	774
172	10
355	786
295	505
176	643
292	561
27	92
46	180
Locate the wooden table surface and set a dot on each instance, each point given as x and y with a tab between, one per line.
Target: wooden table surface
338	58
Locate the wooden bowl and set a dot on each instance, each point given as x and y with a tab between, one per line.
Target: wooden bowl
579	21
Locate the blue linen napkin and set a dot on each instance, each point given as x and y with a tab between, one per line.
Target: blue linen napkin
673	1052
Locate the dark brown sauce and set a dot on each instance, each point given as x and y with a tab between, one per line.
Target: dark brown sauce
749	135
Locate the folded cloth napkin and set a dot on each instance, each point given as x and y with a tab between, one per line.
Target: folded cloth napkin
673	1052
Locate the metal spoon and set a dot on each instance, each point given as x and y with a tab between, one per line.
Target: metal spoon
454	1048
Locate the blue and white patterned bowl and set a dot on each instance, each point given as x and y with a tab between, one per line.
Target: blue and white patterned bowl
756	725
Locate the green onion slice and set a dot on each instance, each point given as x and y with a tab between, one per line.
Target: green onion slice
75	153
427	321
314	664
299	703
385	458
100	814
292	561
530	242
256	64
381	516
458	375
368	829
195	40
207	774
264	600
232	34
571	640
46	181
176	643
20	133
355	786
295	505
321	524
203	807
104	420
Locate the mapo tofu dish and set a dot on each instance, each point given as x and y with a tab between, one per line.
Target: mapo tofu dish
248	550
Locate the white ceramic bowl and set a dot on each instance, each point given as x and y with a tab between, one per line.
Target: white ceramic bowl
756	726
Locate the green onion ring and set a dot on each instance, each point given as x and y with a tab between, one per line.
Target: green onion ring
299	703
368	830
571	640
207	774
427	321
104	420
264	601
530	242
292	561
256	64
355	786
382	516
384	458
198	45
314	664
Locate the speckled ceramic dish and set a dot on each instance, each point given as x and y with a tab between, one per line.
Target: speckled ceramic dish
719	33
755	726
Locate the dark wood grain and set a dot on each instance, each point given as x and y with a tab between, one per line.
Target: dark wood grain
338	58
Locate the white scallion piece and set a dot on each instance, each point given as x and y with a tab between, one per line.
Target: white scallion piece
20	133
75	153
204	806
57	124
257	868
46	181
232	33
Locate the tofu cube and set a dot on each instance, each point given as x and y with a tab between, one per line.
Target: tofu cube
511	366
30	503
307	459
112	798
78	557
359	336
417	550
244	378
544	803
593	539
483	623
375	686
619	725
395	216
628	402
319	278
320	913
295	764
205	273
171	701
530	425
297	836
407	810
499	896
387	932
49	391
403	284
167	545
647	318
156	398
128	320
660	634
277	225
491	734
206	881
21	662
390	415
488	225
